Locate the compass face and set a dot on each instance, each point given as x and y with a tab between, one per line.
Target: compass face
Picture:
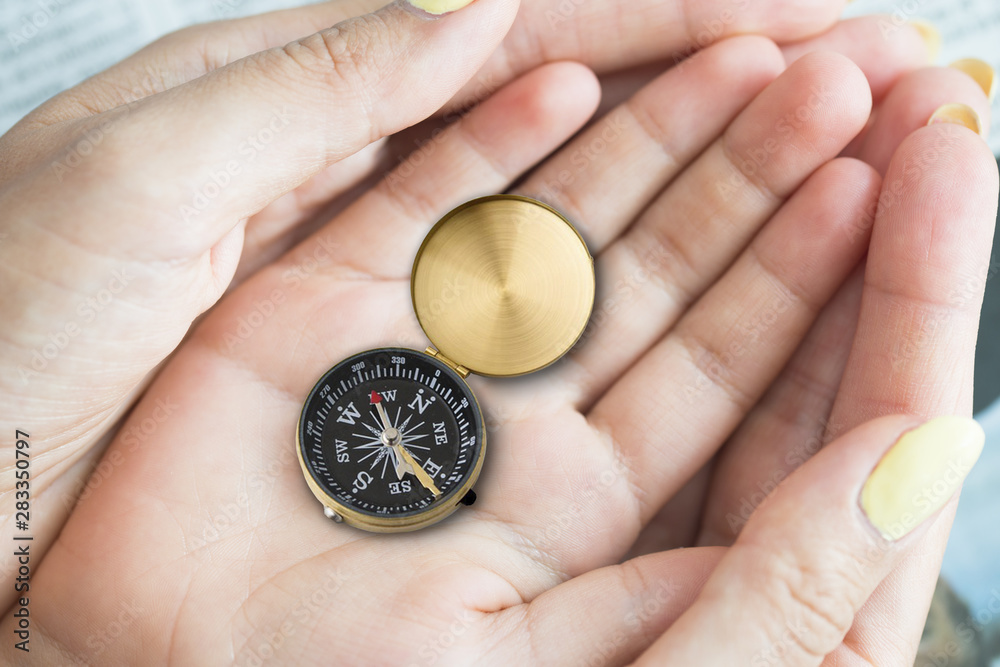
391	439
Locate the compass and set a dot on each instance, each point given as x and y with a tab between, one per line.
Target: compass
392	439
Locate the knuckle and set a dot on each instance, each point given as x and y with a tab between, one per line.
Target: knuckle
719	364
814	604
349	53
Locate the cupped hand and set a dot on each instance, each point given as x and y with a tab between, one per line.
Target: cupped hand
129	202
206	480
721	227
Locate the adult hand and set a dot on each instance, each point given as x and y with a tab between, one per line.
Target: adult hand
138	438
899	338
199	540
129	201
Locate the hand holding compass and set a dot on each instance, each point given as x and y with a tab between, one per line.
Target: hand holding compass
219	392
528	290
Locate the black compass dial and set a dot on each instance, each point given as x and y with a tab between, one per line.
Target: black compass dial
391	433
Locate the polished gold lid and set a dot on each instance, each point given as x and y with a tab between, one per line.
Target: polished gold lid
503	285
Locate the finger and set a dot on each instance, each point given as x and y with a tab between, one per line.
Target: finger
605	616
910	103
883	48
729	347
781	433
787	426
676	525
790	586
189	53
915	346
279	117
655	30
482	153
291	218
691	234
925	276
643	144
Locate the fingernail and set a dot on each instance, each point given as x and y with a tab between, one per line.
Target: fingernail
981	73
439	7
958	114
932	38
921	473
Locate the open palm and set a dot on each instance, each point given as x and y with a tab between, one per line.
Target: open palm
720	234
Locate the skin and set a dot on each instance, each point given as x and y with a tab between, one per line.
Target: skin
196	541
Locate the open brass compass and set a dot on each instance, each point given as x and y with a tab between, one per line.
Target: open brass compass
392	439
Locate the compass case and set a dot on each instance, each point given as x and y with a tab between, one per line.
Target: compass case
503	286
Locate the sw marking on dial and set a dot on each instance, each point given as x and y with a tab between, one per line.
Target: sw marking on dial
391	433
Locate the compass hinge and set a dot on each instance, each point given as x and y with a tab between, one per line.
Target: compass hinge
461	370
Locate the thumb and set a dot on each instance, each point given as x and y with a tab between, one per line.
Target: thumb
786	593
221	147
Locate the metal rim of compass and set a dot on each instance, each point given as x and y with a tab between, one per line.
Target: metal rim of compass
415	519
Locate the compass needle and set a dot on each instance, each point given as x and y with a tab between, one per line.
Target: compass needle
419	472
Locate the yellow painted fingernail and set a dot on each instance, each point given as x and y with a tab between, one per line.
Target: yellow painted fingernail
438	7
981	73
932	38
921	473
958	114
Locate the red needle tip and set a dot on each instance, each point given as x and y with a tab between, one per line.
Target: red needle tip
376	398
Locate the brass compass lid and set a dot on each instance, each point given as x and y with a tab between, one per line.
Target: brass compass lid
503	285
